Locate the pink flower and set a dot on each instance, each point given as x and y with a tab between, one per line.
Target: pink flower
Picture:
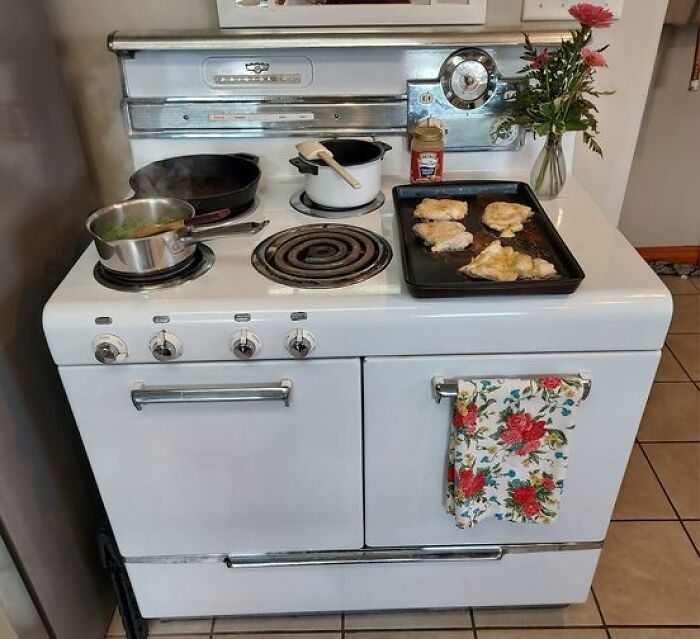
591	16
593	58
540	60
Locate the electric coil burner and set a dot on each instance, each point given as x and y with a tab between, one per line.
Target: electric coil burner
322	256
196	266
301	202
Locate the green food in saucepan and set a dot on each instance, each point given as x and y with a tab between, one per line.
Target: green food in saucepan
128	229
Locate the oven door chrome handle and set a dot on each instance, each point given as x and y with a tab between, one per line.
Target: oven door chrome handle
448	388
274	391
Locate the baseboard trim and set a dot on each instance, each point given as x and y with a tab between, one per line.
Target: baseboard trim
675	254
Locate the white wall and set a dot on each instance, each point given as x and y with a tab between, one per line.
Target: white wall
81	28
633	45
662	207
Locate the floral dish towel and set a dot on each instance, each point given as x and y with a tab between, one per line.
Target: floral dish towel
509	448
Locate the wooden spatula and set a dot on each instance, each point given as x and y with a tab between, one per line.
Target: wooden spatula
197	220
313	150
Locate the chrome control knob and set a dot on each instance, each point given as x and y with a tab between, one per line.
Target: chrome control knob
300	343
165	347
109	349
245	345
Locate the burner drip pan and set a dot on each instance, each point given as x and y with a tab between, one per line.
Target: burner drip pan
322	256
198	265
302	203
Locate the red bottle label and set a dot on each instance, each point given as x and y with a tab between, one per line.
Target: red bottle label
426	166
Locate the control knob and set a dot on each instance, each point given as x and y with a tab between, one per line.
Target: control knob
109	349
300	343
165	347
245	344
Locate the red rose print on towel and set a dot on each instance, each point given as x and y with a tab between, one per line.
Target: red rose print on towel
470	483
524	494
550	382
524	432
466	419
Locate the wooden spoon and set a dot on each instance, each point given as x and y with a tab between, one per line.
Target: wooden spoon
312	150
197	220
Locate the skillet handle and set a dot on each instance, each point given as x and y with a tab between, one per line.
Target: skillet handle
255	159
208	218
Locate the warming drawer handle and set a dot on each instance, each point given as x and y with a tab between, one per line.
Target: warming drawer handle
274	391
448	388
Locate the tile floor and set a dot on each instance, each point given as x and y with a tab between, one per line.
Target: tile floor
648	580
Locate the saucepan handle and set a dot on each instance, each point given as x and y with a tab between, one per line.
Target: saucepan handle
304	166
244	228
383	146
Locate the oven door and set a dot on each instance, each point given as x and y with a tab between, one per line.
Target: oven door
199	471
406	439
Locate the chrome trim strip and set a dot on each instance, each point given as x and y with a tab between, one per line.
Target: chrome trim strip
321	37
407	554
447	388
223	98
254	117
263	133
143	395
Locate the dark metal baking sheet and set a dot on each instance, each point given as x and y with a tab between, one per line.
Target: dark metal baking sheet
429	274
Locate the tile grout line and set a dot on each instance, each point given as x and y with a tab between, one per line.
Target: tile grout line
600	612
663	488
683	368
472	619
692	541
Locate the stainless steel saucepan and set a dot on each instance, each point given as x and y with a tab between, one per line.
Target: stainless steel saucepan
162	251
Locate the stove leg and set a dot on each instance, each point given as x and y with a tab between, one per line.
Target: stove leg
135	627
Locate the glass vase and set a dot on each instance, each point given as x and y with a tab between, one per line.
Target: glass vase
549	171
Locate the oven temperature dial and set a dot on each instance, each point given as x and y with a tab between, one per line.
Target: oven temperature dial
109	349
165	347
245	344
300	343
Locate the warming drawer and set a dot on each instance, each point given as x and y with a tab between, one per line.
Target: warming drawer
194	472
406	440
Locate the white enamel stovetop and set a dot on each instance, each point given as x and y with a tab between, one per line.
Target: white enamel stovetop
621	304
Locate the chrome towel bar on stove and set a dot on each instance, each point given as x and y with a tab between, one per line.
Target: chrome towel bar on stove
142	395
448	388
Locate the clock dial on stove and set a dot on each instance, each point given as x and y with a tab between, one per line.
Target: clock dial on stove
468	78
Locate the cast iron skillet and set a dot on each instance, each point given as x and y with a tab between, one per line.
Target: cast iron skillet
207	182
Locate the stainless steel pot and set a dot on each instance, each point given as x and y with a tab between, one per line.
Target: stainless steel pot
156	253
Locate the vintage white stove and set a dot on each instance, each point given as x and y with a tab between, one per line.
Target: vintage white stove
264	448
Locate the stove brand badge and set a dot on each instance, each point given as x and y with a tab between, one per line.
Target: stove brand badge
257	67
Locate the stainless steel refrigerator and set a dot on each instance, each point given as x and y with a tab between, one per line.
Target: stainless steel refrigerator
51	581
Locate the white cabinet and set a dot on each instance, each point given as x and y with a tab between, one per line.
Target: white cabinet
406	440
212	477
